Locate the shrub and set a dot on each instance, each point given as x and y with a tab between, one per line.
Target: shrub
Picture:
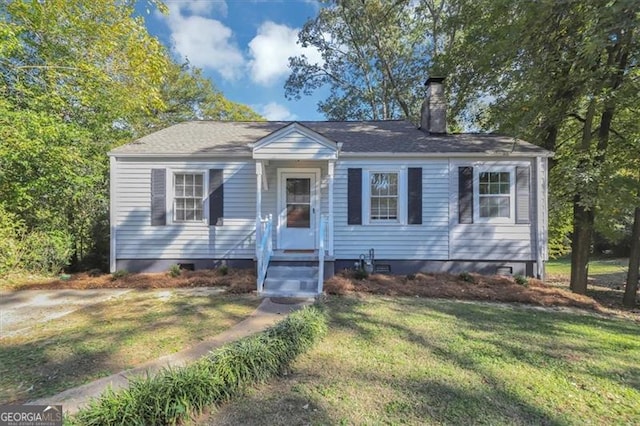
360	274
521	280
34	251
120	273
223	270
411	277
47	251
175	271
467	277
173	395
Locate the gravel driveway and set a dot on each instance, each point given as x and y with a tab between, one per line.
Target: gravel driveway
20	310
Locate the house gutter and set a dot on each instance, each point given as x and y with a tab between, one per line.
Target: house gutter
469	154
490	154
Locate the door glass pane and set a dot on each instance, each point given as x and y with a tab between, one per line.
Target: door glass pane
298	190
298	203
298	216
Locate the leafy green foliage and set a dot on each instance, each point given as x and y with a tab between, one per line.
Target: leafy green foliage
77	78
360	274
521	280
38	251
174	394
175	271
373	54
561	75
223	270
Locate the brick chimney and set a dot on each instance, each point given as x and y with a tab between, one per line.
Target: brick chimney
433	115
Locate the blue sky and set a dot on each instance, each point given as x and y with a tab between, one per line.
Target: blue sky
243	47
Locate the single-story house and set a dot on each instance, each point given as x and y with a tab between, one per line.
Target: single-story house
300	200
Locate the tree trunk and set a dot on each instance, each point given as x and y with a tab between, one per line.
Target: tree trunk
631	288
582	214
580	246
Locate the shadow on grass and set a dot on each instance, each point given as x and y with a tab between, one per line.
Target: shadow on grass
103	339
570	345
282	408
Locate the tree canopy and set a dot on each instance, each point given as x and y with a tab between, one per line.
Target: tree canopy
562	75
372	52
77	78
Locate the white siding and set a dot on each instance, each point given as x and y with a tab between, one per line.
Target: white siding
428	241
439	237
137	239
294	145
486	241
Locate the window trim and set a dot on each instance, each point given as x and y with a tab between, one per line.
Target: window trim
401	171
171	214
512	194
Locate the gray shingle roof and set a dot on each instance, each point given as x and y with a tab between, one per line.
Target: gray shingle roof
398	136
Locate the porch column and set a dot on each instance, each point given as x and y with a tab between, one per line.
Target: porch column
331	169
259	172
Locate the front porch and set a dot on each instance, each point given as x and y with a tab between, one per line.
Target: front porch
294	211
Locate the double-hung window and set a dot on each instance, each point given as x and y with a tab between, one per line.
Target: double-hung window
188	197
495	195
383	193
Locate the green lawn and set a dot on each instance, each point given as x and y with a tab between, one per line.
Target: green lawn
418	361
108	337
596	266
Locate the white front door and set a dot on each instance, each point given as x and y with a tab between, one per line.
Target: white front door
297	207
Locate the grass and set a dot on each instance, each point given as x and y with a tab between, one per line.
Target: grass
607	278
418	361
596	266
108	337
173	395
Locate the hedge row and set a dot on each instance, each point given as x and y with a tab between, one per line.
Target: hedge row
175	394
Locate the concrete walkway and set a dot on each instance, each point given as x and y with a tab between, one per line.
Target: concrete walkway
267	314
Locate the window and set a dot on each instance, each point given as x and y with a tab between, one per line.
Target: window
494	194
188	192
384	196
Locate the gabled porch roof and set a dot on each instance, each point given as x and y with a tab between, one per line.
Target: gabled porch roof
295	142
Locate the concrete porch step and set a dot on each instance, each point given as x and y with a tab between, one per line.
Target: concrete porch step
291	281
276	284
301	294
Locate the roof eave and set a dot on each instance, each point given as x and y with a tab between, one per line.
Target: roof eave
179	154
449	154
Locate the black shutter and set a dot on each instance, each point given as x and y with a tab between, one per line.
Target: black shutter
523	194
216	196
354	197
158	197
414	199
465	194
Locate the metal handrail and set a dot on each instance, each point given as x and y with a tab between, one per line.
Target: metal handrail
322	234
265	250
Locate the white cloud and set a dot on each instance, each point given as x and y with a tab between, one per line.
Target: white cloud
275	112
207	43
199	7
270	50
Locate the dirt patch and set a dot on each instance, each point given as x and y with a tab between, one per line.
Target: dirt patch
236	281
464	286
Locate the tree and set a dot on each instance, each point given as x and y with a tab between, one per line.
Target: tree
557	73
77	78
187	95
373	53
